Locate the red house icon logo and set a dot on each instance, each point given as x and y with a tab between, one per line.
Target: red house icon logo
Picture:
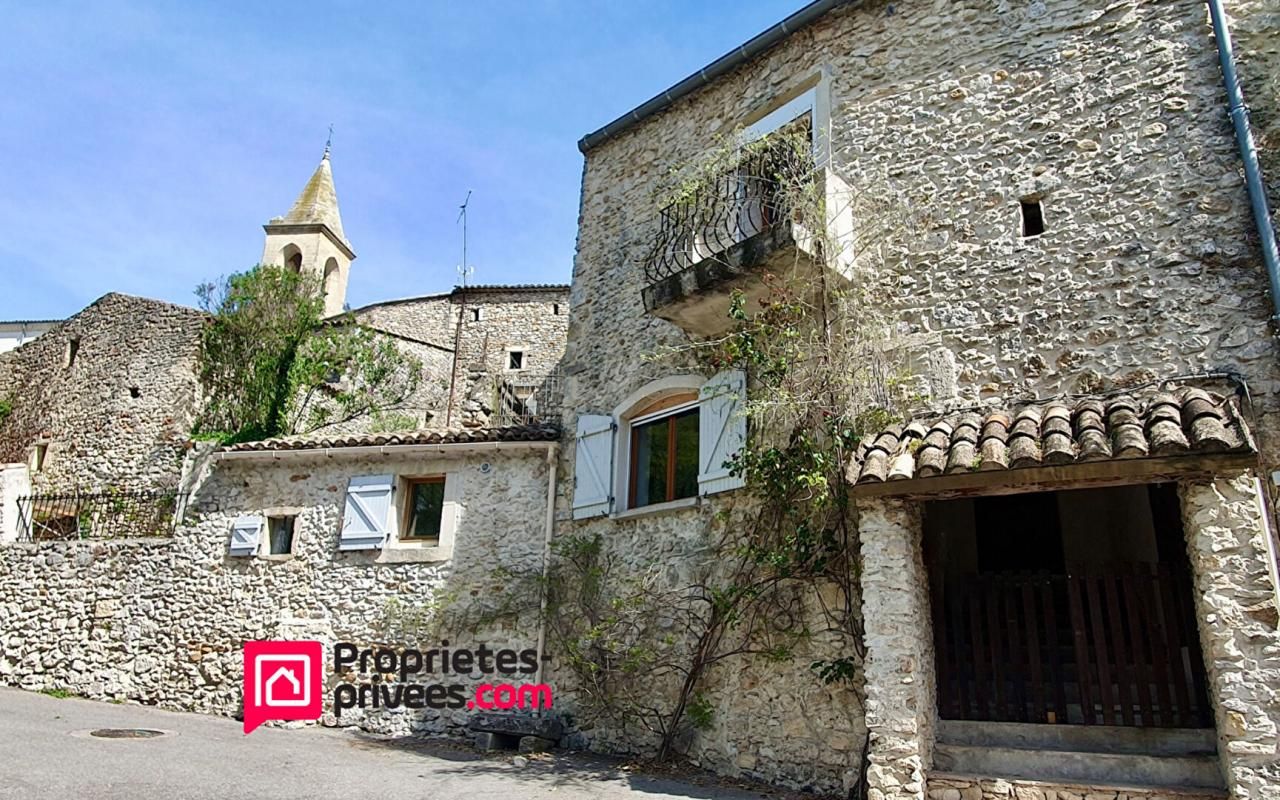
282	681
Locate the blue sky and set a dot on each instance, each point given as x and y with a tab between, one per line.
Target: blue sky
143	145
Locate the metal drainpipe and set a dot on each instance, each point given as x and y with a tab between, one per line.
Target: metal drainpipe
1248	153
553	451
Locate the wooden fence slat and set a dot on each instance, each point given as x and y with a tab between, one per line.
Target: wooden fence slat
1168	611
1097	627
993	640
981	676
1138	645
1120	647
1084	682
1048	599
1033	650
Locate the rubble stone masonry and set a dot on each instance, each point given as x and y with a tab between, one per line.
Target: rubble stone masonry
945	116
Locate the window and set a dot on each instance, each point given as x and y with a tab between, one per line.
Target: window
477	314
424	509
38	456
664	458
280	534
515	360
135	392
673	439
1032	218
557	309
73	350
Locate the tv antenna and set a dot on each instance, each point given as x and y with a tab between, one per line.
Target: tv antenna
464	269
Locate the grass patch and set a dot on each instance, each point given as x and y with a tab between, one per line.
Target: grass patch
61	694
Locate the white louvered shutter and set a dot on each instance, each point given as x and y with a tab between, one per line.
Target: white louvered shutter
368	509
246	532
593	467
722	430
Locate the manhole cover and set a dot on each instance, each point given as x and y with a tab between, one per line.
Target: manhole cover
126	733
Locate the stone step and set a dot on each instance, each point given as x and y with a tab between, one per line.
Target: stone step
954	786
1184	771
1081	738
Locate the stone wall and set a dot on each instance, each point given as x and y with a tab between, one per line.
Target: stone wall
119	413
533	319
161	621
1235	589
770	719
1112	114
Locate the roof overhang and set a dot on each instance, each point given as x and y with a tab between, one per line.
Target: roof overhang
1078	443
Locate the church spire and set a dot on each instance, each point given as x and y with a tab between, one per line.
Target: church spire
318	202
310	240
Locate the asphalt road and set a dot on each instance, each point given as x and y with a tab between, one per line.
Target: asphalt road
47	752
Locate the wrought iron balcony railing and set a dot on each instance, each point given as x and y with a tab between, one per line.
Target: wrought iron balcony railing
111	514
528	399
749	199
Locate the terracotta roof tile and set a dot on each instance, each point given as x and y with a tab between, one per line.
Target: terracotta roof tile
1185	421
513	433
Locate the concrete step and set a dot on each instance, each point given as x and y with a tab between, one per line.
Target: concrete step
1081	738
1091	767
948	786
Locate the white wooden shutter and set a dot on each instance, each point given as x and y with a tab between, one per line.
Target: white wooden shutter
722	430
368	509
593	467
246	532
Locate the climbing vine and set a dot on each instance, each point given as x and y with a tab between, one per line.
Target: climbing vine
778	563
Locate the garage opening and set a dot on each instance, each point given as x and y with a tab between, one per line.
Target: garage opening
1069	607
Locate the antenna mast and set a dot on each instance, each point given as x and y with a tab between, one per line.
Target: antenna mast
464	269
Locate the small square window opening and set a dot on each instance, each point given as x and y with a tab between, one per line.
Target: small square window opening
477	314
515	360
1032	218
425	509
280	530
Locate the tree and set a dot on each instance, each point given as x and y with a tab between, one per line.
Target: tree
271	365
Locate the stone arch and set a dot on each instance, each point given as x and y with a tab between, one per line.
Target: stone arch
292	257
330	282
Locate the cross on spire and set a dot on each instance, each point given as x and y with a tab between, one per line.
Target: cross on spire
328	142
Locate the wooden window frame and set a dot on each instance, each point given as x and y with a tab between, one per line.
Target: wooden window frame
669	416
406	514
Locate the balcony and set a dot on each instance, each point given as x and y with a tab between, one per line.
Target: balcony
725	236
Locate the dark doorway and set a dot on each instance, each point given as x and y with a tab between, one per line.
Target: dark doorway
1070	607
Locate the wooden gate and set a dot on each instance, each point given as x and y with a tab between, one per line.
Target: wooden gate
1110	645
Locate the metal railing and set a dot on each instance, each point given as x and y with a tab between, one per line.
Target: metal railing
744	201
108	514
521	399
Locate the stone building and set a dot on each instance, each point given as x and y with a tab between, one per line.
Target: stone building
1076	279
495	351
104	399
309	239
352	540
484	350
